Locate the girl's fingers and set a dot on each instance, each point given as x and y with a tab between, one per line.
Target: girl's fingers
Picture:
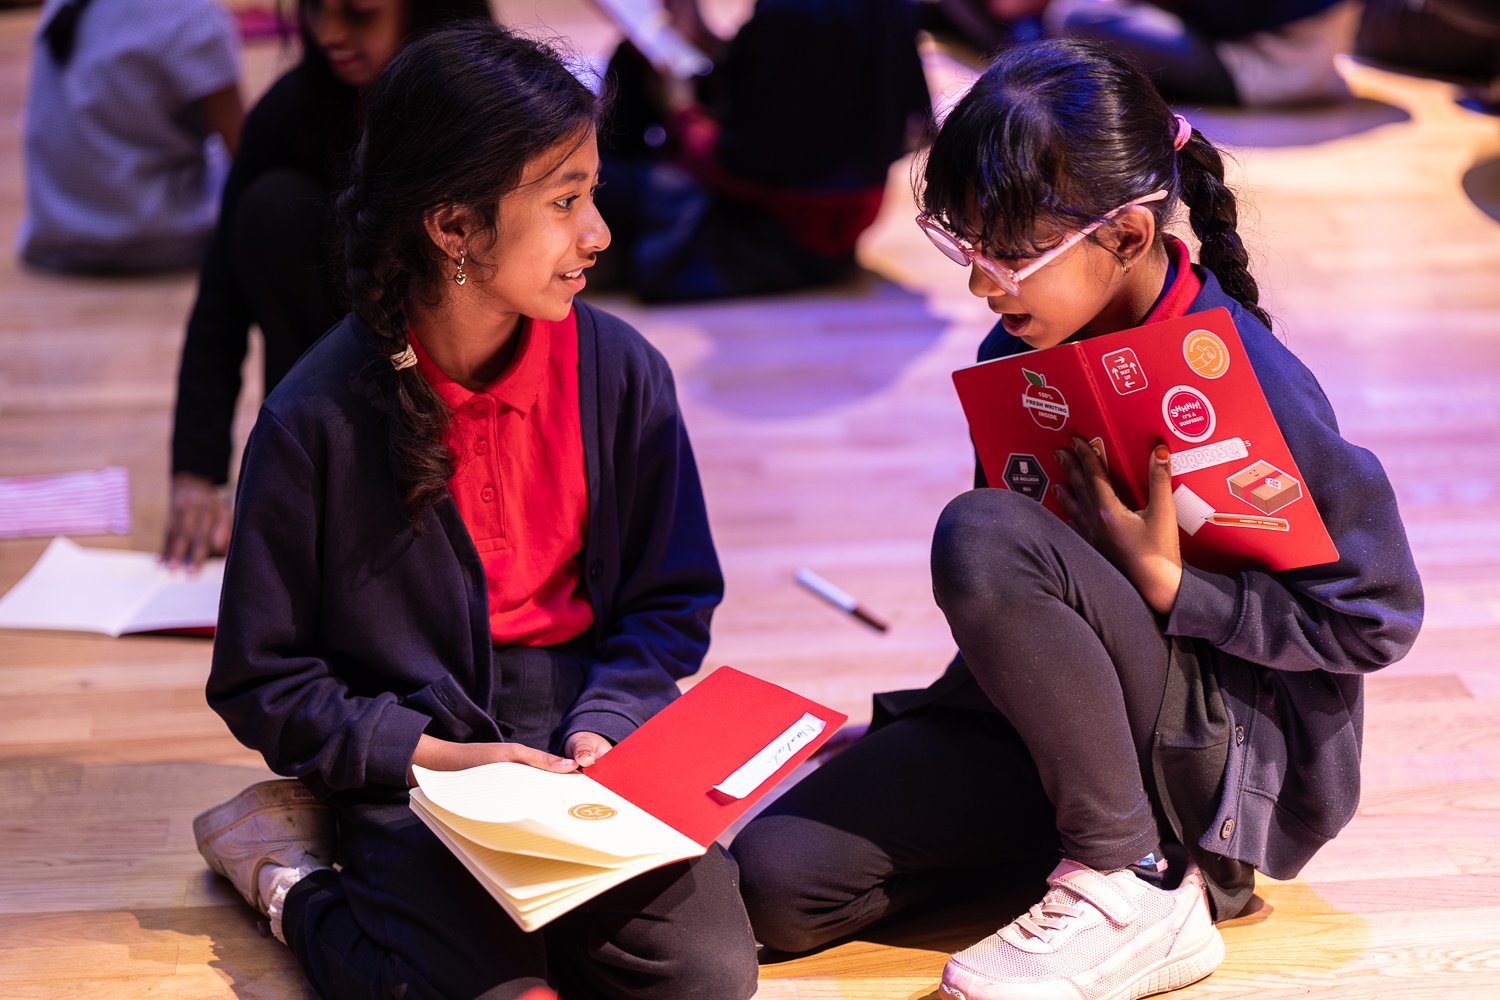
516	753
1070	504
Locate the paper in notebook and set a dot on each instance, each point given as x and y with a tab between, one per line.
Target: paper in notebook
113	591
1241	500
542	843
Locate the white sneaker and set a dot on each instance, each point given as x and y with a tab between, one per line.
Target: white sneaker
273	823
1094	936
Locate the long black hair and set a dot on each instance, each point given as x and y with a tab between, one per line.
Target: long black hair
452	121
1064	132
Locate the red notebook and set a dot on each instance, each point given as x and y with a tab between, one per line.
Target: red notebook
1241	500
543	842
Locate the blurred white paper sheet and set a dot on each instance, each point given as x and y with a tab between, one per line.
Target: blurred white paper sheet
649	28
68	503
113	591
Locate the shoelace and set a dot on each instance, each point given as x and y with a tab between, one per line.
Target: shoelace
1048	916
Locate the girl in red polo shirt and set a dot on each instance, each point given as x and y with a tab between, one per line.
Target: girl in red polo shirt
1149	733
469	530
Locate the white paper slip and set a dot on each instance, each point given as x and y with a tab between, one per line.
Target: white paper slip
113	591
767	762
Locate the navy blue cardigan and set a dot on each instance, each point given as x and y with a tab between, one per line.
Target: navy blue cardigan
343	636
1289	649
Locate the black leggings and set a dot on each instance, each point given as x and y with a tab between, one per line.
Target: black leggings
1075	662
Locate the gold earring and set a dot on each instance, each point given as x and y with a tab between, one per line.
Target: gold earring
459	277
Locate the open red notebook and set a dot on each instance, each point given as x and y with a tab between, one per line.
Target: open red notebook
1241	500
542	842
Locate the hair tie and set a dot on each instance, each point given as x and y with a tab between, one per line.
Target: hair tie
405	359
1184	132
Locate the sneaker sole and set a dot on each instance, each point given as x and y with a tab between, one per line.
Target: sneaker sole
1171	973
1175	971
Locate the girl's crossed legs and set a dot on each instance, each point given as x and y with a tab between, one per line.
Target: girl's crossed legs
1067	651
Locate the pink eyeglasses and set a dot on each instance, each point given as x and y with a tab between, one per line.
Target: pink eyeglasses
960	252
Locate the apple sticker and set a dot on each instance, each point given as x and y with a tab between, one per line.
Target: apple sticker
1045	403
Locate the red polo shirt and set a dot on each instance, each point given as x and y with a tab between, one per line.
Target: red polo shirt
520	485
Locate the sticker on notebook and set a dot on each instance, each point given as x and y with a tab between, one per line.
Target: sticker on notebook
1044	402
1024	475
1124	371
1098	445
592	810
1189	413
1193	512
1205	353
755	771
1206	456
1264	487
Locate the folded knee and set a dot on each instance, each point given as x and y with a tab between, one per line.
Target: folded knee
980	540
776	873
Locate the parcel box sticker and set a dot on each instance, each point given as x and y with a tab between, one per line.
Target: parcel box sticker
1264	487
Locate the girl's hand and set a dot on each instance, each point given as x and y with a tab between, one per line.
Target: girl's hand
1144	544
441	755
586	748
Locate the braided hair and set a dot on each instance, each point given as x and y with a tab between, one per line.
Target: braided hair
1063	132
452	121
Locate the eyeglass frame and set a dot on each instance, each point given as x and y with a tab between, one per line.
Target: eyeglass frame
1003	276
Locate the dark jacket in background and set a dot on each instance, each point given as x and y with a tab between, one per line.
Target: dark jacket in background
1258	743
306	123
343	636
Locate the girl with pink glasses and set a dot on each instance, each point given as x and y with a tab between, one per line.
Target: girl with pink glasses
1149	733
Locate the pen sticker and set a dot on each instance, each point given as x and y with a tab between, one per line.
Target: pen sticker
1024	475
1189	413
1044	402
1205	353
1124	371
591	810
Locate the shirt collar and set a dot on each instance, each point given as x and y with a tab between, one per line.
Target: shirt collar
1177	297
517	387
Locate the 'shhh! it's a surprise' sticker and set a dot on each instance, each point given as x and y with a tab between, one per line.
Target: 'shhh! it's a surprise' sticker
1188	413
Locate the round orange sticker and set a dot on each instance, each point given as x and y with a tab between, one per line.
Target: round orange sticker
591	810
1206	354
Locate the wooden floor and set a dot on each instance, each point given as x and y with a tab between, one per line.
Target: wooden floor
828	436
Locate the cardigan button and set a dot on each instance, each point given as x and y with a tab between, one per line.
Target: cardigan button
487	494
596	569
1227	830
1239	735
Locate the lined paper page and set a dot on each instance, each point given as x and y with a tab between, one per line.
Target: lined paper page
546	802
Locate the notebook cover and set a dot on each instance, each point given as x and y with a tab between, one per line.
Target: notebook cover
669	766
1187	383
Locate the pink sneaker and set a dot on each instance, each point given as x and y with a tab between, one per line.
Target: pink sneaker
1094	936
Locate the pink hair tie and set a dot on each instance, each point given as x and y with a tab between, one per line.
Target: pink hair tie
1184	132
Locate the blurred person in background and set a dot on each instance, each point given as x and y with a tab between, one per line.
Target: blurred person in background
1250	53
759	177
1456	40
273	260
131	117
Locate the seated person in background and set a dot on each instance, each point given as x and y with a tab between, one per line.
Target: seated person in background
122	172
1215	51
1457	40
765	184
394	597
272	258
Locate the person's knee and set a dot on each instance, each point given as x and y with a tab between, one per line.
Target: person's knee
777	865
979	543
